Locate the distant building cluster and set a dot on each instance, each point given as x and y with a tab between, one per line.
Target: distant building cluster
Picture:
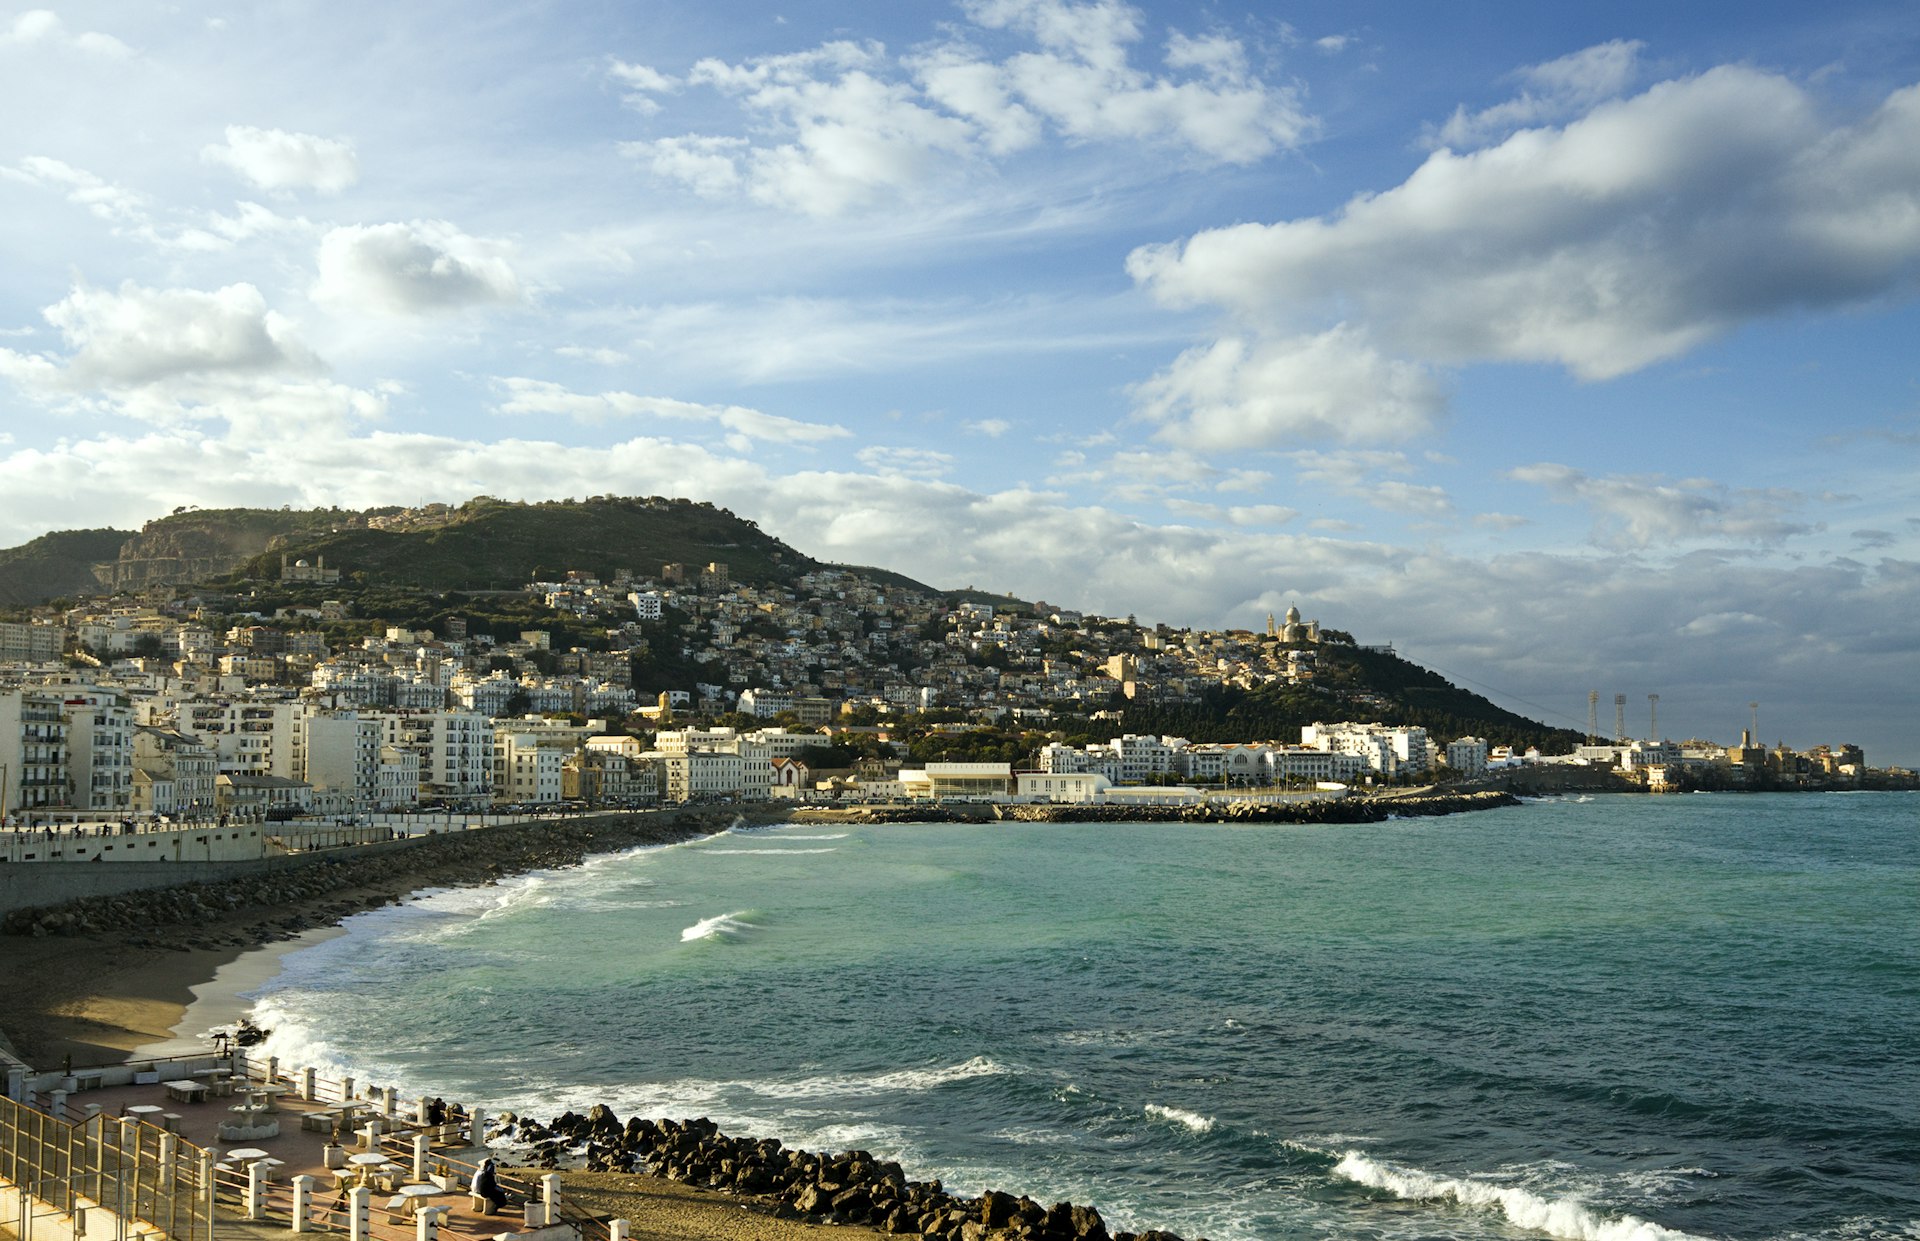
202	706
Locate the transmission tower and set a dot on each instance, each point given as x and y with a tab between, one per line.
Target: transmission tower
1593	716
1755	708
1619	717
1653	718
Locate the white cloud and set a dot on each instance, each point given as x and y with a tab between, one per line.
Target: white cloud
273	159
535	396
913	462
413	268
992	428
42	28
845	124
1237	394
1643	511
102	198
136	337
1629	236
1554	90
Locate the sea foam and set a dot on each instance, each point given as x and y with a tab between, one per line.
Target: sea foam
1557	1217
1191	1120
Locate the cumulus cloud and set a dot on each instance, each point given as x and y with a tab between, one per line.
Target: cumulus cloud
1630	235
1552	91
422	267
136	337
992	428
273	159
846	123
1238	393
743	425
1643	511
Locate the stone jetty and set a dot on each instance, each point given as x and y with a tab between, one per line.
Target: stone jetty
851	1187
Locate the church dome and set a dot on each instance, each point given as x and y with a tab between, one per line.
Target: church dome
1293	616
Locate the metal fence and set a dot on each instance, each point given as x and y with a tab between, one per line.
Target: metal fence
101	1173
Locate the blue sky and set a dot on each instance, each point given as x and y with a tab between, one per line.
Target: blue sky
1568	347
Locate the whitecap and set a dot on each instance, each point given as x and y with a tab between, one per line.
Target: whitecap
775	852
796	836
718	925
1557	1217
1191	1120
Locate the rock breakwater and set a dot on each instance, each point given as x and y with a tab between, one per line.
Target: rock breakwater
850	1187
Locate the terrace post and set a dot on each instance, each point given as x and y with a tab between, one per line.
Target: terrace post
617	1229
419	1156
256	1190
477	1135
169	1151
302	1201
306	1084
346	1089
426	1224
359	1221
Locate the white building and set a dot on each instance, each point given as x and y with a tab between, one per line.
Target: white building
33	749
528	765
100	749
343	756
1468	756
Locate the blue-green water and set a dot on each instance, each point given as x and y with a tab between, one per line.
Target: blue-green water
1593	1018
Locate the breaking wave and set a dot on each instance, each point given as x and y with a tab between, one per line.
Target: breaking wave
1557	1217
719	925
1191	1120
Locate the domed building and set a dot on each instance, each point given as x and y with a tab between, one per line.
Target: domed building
1294	630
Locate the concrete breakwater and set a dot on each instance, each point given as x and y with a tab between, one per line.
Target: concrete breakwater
851	1187
303	891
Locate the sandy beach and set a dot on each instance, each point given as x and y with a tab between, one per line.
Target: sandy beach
103	1000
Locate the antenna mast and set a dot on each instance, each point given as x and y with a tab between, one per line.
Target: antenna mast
1593	716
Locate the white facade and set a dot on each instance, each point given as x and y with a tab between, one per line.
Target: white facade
100	749
1065	787
1468	756
528	766
343	756
33	749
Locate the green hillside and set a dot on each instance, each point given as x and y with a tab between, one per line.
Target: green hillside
489	544
1351	683
56	564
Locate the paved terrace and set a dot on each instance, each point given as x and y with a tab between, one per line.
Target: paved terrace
266	1131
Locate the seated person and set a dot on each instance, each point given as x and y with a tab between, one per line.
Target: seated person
486	1184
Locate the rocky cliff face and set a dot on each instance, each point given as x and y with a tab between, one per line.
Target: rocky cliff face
192	547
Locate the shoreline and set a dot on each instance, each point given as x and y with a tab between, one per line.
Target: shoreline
107	978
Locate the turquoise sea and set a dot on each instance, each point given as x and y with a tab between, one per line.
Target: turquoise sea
1596	1018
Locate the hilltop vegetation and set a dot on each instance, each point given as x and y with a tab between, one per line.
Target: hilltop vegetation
489	544
1350	683
55	564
